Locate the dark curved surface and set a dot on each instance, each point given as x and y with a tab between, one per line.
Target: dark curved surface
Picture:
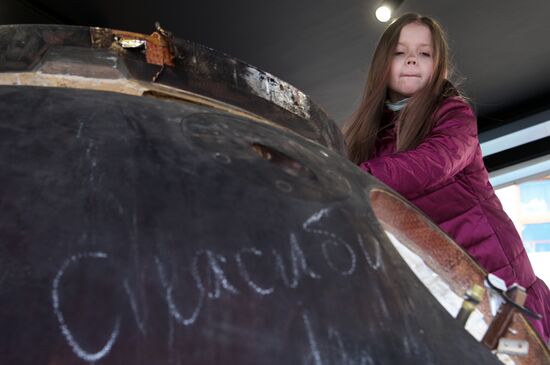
141	231
94	53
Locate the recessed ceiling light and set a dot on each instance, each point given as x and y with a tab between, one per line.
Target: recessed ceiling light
383	13
386	9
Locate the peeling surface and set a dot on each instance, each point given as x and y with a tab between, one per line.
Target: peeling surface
78	82
279	92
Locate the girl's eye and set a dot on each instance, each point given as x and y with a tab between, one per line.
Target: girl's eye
425	54
399	53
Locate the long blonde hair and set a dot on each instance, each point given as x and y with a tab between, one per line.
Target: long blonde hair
361	131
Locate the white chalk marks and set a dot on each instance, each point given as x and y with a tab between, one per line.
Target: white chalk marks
377	262
298	264
133	303
326	345
243	271
189	281
168	288
331	240
311	340
71	340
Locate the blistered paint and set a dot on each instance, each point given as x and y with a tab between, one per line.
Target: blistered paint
277	91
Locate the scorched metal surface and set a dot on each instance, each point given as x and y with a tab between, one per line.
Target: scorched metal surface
137	230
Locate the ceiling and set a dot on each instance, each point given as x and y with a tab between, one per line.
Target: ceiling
500	48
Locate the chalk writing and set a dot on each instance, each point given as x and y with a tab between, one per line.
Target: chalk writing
333	334
245	274
334	240
377	262
139	321
311	340
334	349
172	308
333	265
219	275
78	134
77	349
209	281
298	263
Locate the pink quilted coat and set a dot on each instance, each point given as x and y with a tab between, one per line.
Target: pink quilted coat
445	177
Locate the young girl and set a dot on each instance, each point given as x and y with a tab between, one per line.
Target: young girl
414	132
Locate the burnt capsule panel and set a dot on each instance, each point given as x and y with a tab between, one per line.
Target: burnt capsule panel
138	231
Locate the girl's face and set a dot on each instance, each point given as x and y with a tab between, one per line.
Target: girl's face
412	63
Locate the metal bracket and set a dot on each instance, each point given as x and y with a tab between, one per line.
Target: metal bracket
512	347
159	46
503	319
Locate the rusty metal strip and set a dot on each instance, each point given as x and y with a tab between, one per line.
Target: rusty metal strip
449	261
159	45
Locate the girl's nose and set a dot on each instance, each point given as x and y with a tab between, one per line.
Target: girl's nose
411	61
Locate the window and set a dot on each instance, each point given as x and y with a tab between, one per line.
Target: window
535	197
528	205
536	237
